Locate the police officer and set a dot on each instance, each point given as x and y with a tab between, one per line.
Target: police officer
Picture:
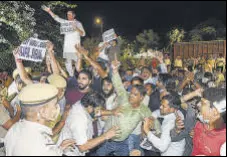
31	136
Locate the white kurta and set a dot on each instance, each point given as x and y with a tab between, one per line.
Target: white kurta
78	126
164	143
70	39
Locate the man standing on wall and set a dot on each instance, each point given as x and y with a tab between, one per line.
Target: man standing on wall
72	38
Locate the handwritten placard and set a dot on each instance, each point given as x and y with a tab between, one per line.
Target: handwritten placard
33	50
109	35
68	27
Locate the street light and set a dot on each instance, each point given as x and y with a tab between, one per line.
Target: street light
99	21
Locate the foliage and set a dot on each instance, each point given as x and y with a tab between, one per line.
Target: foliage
148	39
16	25
19	17
176	35
91	43
56	4
210	29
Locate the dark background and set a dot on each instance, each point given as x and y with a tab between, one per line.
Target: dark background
131	18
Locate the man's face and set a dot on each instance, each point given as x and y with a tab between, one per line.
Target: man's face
83	81
208	114
148	89
146	74
135	98
165	109
70	16
129	73
107	88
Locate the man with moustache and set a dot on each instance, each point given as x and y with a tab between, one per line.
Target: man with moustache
75	94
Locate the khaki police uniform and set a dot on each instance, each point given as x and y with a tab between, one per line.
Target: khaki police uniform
27	138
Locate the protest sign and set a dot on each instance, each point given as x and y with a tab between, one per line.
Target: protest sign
109	35
68	27
33	50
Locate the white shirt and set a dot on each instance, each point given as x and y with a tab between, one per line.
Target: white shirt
163	68
146	100
78	126
111	102
27	138
164	143
71	39
12	88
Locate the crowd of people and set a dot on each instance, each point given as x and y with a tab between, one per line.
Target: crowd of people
105	109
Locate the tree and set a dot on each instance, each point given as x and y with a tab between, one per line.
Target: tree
210	29
91	43
175	35
16	25
148	39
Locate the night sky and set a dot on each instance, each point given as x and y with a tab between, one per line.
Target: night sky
130	18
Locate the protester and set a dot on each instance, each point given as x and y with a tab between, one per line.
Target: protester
93	104
79	126
210	132
128	139
71	38
168	109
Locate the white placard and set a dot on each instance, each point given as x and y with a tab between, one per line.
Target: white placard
109	35
68	27
33	50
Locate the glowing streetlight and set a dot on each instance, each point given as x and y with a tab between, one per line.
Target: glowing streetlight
99	21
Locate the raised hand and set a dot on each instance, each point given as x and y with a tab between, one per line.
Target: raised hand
81	50
45	8
16	52
115	64
50	46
